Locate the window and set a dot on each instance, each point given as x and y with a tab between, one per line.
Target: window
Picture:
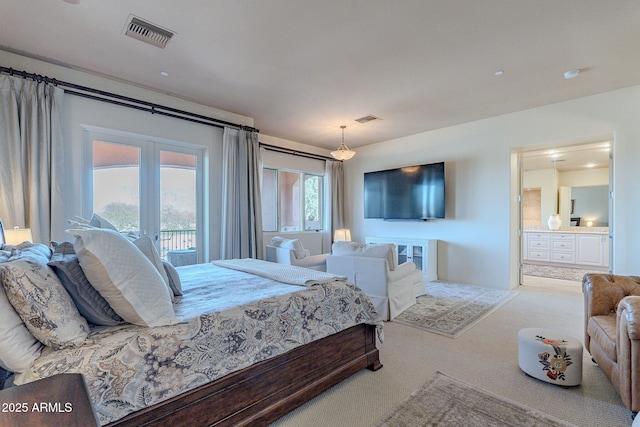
291	201
150	187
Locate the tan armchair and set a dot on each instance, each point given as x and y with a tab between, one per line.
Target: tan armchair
612	331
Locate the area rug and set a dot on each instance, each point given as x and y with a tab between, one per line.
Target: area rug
553	272
450	309
445	401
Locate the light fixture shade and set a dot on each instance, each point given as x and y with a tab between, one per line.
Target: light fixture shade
343	152
343	234
15	236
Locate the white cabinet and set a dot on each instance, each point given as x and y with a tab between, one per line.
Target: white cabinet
577	249
423	253
593	249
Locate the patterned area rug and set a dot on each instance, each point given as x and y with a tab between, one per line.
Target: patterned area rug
564	273
450	309
444	401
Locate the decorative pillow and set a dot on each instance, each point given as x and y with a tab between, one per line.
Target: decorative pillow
27	251
377	250
91	305
99	222
43	304
174	278
18	348
64	248
293	244
124	277
146	246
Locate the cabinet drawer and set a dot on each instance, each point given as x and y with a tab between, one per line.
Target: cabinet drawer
563	245
538	235
568	257
563	236
539	255
538	244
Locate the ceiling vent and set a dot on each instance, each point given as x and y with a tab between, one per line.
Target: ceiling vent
148	32
368	118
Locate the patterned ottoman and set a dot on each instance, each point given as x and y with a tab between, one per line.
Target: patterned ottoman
550	356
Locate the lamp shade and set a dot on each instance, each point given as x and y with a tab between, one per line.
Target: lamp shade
343	234
15	236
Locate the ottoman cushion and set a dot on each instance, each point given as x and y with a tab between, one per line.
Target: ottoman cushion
550	356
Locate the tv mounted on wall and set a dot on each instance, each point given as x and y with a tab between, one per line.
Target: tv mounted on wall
407	193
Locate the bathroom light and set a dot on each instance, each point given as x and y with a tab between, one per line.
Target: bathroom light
571	74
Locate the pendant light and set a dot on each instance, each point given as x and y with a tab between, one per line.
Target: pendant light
343	152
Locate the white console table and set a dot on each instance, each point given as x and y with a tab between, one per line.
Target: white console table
423	253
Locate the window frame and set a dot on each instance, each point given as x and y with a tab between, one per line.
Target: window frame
150	148
302	175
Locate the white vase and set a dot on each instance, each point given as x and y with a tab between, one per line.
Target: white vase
554	222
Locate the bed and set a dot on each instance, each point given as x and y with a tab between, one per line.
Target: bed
247	357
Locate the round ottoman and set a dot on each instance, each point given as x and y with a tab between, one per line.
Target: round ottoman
550	356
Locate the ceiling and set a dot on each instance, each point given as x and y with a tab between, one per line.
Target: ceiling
302	68
572	158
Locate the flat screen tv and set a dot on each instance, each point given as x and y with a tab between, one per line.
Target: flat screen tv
407	193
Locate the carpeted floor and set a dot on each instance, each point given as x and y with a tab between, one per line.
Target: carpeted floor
451	309
485	357
445	401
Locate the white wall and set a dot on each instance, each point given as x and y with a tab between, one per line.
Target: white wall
479	241
547	181
585	177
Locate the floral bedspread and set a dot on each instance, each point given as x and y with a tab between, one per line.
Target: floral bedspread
231	320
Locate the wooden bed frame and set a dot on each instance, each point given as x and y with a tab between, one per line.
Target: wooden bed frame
265	391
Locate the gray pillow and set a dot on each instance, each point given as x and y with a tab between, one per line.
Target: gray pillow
174	279
91	305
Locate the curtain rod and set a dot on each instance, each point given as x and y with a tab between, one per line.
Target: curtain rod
126	101
295	152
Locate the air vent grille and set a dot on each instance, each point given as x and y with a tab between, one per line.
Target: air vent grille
148	32
368	118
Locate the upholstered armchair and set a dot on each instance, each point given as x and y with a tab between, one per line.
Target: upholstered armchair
373	268
612	331
291	252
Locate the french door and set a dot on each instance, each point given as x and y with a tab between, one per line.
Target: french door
148	186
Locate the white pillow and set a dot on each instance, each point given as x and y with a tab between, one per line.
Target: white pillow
124	277
146	246
99	222
293	244
378	250
18	348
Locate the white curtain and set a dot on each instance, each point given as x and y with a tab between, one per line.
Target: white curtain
241	234
30	139
335	174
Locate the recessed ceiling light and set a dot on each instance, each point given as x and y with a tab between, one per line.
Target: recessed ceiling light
498	73
590	165
571	74
164	74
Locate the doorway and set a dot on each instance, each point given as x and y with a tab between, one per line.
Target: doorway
571	182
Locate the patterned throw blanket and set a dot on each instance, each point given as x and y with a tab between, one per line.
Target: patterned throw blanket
129	367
